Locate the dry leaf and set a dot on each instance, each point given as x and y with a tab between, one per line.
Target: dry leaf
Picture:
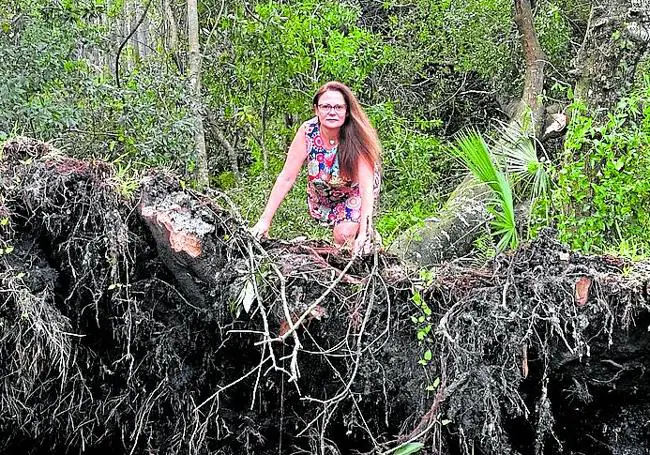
247	295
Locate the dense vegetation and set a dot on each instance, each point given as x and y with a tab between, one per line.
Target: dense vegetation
509	92
424	70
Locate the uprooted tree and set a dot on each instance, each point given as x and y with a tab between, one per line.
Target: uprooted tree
155	324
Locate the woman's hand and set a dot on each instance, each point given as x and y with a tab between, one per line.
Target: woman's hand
360	244
261	229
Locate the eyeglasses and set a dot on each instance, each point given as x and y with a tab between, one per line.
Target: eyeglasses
326	108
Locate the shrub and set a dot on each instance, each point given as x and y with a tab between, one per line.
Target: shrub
602	195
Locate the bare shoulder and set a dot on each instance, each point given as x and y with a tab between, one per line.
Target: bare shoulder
309	124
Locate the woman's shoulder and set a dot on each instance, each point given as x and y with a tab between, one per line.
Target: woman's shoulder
311	121
310	126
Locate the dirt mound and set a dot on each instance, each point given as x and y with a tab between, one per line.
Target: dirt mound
156	324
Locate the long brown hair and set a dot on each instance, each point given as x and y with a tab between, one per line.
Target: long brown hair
357	138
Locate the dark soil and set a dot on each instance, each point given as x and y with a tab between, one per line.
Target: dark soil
153	323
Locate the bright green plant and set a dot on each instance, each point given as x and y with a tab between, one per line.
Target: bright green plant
409	448
519	156
552	24
509	166
602	191
474	153
423	324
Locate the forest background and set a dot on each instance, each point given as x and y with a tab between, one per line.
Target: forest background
119	80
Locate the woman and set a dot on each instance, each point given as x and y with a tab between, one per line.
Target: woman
342	153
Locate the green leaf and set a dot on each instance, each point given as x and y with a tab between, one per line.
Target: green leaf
473	151
411	447
428	355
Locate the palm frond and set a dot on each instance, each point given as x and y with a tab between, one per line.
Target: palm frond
519	155
472	150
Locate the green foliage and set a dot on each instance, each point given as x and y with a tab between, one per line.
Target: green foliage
226	180
485	247
413	166
554	32
409	448
473	151
466	35
445	56
602	191
50	91
510	167
422	323
518	155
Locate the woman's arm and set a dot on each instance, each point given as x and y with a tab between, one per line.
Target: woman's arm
366	175
284	182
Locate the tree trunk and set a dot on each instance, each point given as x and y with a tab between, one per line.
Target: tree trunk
171	35
616	41
126	30
530	103
452	234
142	34
195	88
460	222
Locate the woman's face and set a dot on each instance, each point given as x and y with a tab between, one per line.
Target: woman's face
331	109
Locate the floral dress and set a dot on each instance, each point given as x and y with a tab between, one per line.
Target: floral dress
330	198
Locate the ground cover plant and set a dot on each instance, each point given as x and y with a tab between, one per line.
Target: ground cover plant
601	198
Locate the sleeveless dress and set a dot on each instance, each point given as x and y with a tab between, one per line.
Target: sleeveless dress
330	198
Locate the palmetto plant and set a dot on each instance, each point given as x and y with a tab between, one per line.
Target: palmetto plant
474	152
510	160
517	152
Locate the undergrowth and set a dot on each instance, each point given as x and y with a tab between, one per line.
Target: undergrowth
601	201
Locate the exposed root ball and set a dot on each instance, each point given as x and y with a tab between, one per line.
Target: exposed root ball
158	325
